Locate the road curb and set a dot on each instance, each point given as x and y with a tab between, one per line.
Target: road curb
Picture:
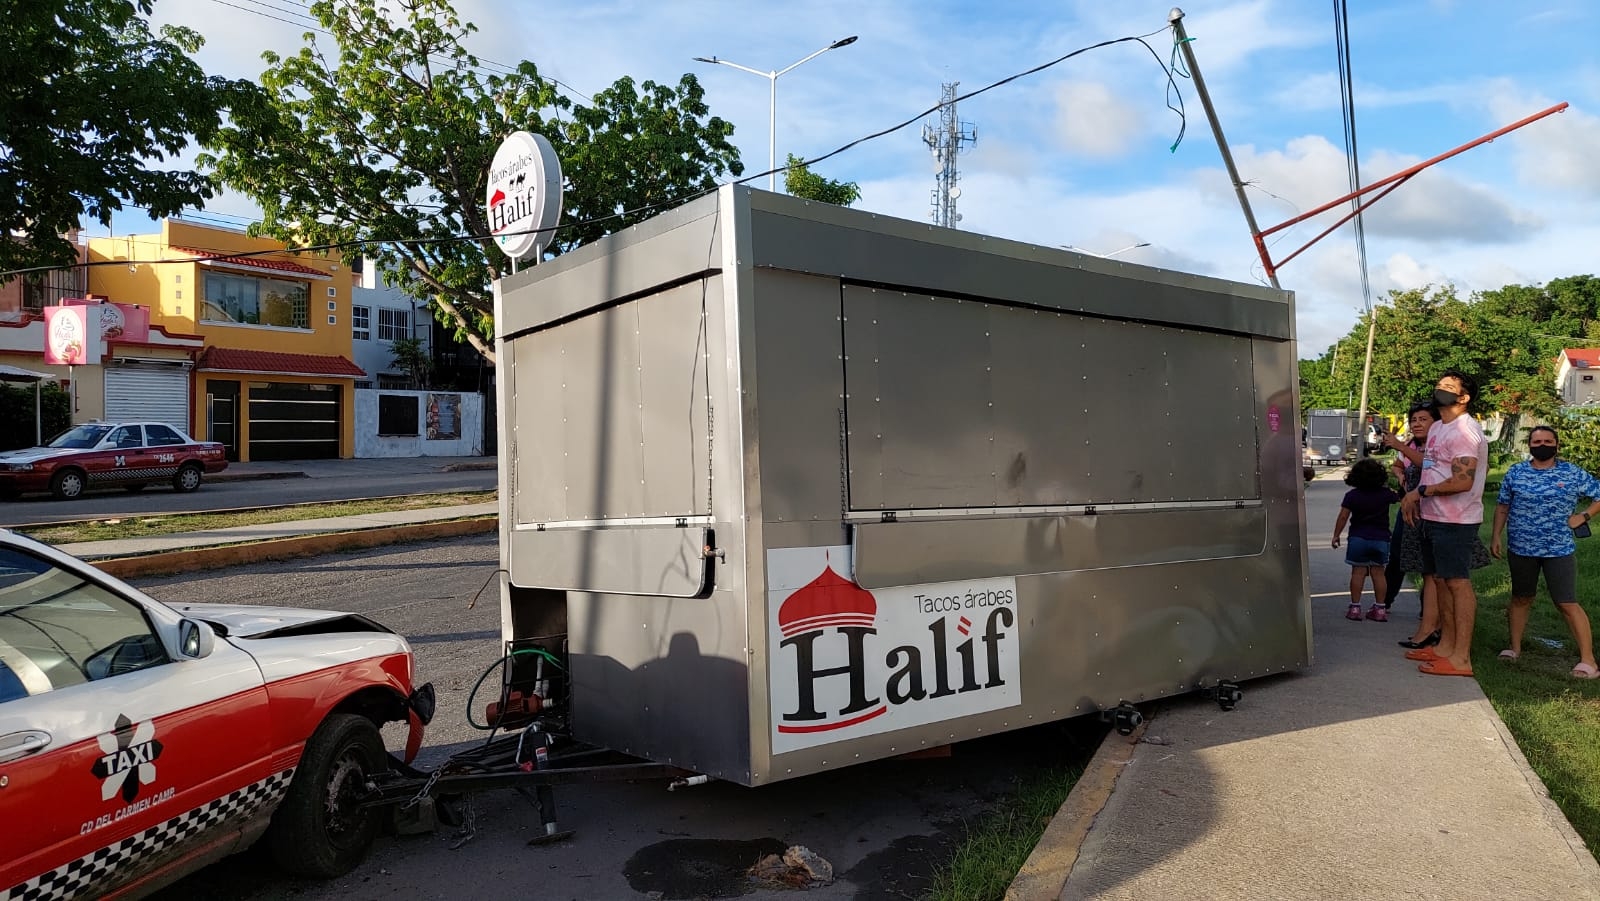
167	563
485	466
1044	874
253	476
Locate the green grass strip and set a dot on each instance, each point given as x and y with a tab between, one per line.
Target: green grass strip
996	847
114	528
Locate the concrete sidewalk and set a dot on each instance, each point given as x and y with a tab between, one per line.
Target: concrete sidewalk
1360	778
131	547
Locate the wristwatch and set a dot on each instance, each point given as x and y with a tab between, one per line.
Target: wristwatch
1422	491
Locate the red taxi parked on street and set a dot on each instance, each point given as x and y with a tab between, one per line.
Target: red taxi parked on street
129	455
140	742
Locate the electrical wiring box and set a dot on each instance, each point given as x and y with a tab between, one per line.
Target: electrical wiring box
803	486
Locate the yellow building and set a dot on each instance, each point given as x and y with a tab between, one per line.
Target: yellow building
275	381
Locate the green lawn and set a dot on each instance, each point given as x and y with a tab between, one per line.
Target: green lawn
1554	717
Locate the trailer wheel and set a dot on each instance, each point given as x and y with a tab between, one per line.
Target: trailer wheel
320	829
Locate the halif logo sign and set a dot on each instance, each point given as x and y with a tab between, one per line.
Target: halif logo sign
523	199
847	662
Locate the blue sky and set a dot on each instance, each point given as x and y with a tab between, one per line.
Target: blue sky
1078	154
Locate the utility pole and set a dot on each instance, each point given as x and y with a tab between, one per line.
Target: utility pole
1366	375
945	140
1175	18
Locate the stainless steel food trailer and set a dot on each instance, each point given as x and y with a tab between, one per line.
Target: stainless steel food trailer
786	487
1331	436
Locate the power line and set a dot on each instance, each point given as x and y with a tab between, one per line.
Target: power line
500	70
452	239
1347	102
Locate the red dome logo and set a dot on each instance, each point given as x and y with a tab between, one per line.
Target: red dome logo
829	600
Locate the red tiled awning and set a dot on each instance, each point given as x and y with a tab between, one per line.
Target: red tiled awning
265	265
265	362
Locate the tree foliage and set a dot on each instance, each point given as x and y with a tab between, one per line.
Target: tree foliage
390	140
800	181
1507	338
91	99
17	422
411	355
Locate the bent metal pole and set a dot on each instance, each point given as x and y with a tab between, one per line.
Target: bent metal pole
1181	38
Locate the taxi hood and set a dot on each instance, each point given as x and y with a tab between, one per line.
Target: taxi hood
35	454
242	621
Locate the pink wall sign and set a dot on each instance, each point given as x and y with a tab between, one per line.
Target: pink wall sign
116	321
66	336
1274	418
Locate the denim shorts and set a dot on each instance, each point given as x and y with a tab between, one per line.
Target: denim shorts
1447	549
1367	551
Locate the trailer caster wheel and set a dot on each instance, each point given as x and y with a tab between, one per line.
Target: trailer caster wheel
1124	718
1227	695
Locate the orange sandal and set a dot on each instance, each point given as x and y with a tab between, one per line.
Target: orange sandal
1442	667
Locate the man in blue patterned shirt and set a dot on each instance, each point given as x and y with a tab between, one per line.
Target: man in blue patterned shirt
1537	499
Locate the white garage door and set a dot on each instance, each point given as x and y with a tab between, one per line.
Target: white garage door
150	393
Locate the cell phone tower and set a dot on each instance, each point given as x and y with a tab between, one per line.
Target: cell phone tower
945	140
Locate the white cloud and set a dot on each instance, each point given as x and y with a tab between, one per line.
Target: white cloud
1310	171
1556	152
1094	121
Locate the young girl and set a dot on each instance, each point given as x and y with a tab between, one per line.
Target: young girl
1366	509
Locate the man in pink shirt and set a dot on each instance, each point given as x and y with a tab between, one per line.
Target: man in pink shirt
1449	504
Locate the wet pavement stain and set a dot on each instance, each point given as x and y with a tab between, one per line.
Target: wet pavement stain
904	869
687	868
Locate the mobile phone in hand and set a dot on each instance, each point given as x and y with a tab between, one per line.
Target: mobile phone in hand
1582	531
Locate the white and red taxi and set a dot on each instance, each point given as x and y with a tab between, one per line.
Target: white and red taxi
127	455
139	742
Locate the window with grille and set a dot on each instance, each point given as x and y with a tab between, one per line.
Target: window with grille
394	324
361	323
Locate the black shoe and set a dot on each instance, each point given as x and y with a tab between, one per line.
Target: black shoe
1430	641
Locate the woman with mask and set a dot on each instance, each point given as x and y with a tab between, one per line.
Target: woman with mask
1536	503
1405	550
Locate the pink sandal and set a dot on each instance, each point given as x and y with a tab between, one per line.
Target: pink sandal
1585	671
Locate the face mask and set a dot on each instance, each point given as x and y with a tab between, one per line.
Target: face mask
1445	398
1543	452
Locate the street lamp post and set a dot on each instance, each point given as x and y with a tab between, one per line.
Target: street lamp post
1112	253
772	103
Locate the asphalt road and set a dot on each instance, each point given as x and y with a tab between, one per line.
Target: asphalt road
160	499
884	826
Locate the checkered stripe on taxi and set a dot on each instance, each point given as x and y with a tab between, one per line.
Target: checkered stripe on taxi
104	868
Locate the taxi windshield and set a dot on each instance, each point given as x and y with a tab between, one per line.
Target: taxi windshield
82	436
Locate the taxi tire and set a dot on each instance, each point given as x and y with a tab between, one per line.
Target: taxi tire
68	484
188	478
303	839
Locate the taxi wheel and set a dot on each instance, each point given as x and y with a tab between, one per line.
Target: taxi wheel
187	479
67	484
321	829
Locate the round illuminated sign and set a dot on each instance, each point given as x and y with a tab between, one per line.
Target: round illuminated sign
523	199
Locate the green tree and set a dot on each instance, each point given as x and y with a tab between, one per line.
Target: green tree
390	141
411	355
17	422
91	100
1507	338
800	181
